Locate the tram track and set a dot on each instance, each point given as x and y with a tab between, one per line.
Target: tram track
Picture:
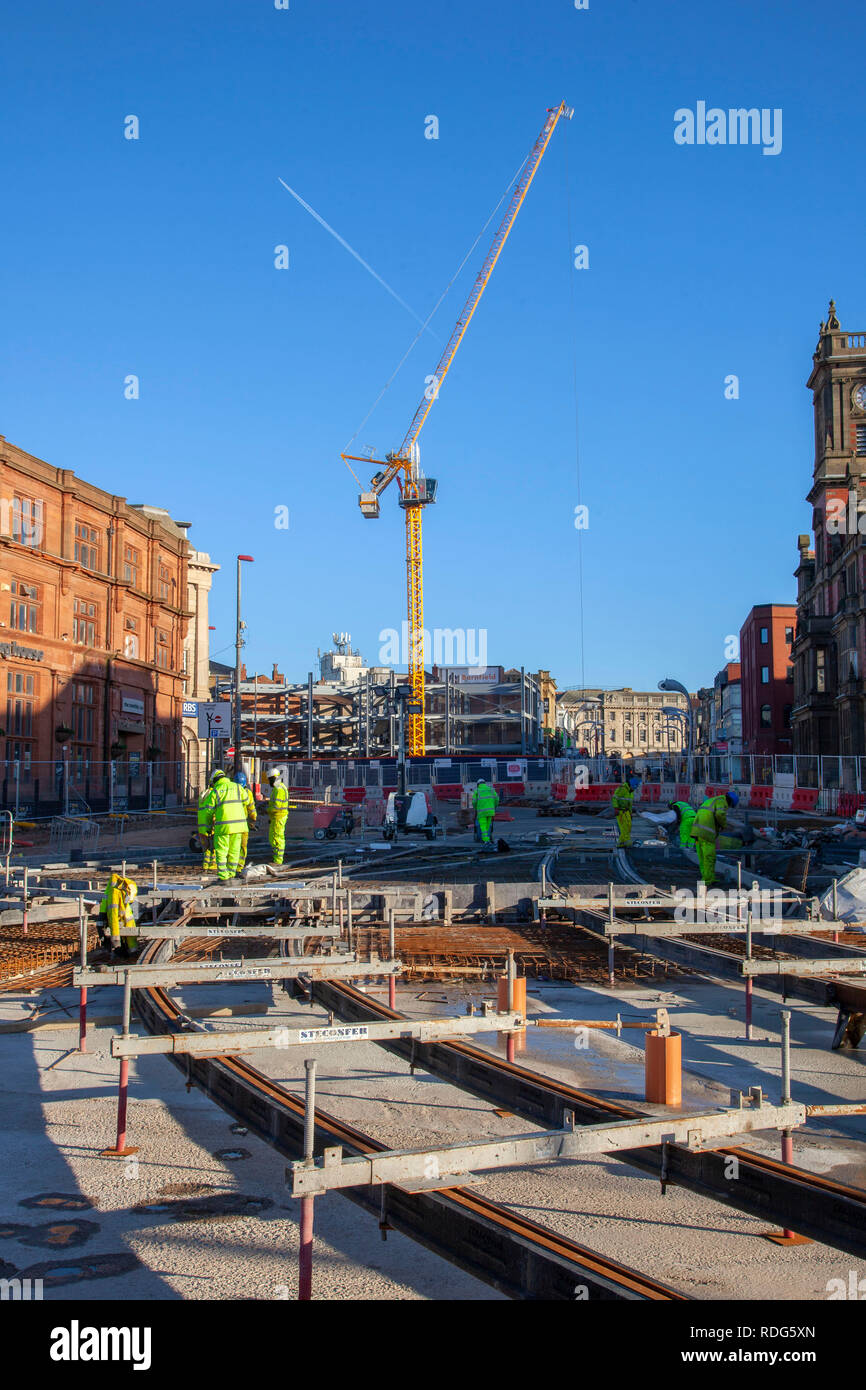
517	1256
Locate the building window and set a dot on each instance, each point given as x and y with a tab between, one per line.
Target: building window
82	713
86	546
162	649
789	635
764	634
786	716
84	622
765	675
820	671
861	439
131	564
164	582
24	607
20	690
766	717
22	519
130	639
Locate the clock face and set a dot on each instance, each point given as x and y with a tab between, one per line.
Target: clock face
860	396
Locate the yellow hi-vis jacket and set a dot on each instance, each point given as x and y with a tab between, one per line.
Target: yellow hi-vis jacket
711	819
117	903
279	799
485	799
226	809
623	798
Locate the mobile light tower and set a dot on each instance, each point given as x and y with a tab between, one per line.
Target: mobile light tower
239	642
669	684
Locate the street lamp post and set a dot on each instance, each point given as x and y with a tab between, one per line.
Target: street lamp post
239	642
670	684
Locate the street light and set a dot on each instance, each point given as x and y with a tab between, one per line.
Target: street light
239	642
670	684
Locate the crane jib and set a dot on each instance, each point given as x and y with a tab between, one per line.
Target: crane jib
416	491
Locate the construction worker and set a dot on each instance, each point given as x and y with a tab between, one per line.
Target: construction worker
685	816
622	802
226	819
252	817
485	800
205	820
710	820
278	814
115	911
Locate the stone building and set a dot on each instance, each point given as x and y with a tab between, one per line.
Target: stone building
623	723
829	700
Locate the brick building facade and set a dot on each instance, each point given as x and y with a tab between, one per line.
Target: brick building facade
767	685
93	595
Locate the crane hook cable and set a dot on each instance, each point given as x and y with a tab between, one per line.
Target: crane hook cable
515	177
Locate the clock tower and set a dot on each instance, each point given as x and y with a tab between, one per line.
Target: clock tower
829	653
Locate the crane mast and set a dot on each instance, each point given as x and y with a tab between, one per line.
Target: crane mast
416	491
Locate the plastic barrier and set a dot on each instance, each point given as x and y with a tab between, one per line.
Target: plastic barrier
760	798
804	799
849	802
447	791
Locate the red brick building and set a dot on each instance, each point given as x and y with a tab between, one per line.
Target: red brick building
766	638
92	620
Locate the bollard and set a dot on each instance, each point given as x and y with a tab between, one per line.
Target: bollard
305	1253
392	980
334	899
24	912
749	981
786	1237
663	1065
82	993
121	1148
349	917
511	998
835	908
610	918
153	916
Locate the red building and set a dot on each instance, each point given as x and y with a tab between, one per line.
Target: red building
767	681
93	617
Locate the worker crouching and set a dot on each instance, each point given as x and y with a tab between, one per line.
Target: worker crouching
685	819
116	912
709	822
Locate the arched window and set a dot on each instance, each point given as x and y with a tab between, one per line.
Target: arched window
766	717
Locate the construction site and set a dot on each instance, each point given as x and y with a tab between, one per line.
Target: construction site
421	979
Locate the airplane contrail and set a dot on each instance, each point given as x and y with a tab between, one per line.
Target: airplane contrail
353	252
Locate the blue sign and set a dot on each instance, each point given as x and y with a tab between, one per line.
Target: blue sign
190	709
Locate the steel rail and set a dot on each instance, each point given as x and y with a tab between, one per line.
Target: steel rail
505	1250
826	1211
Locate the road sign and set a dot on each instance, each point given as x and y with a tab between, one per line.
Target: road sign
215	719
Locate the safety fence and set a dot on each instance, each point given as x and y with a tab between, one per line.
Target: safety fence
71	787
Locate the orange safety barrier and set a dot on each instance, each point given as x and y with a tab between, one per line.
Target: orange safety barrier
804	799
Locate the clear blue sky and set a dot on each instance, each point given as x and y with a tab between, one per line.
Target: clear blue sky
156	257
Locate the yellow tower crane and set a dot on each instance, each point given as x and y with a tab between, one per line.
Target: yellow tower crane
416	491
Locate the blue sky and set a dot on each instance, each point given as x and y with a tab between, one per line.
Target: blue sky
155	257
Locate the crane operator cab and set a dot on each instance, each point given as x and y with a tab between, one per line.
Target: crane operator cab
408	813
